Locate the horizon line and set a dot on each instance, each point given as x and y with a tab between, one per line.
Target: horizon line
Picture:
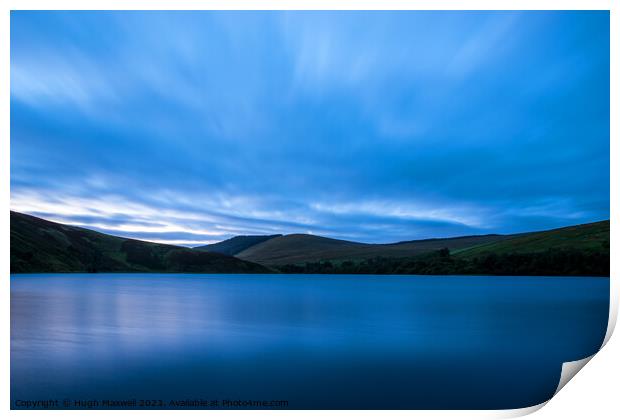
308	234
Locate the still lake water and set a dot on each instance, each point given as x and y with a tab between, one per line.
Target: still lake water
317	341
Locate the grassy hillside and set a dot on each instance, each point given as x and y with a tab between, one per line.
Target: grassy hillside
298	248
591	237
39	245
237	244
581	250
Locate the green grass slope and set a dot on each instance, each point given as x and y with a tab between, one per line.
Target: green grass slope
591	237
236	244
300	248
581	250
38	245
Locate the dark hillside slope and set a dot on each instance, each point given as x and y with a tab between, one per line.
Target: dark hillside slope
299	248
590	237
236	244
581	250
38	245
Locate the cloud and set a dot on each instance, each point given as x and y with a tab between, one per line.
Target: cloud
70	81
487	43
374	126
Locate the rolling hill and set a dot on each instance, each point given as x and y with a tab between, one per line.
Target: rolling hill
38	245
590	237
236	244
300	248
581	250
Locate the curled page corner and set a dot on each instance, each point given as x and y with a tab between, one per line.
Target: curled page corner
519	412
613	312
569	370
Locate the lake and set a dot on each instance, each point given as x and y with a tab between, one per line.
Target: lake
314	341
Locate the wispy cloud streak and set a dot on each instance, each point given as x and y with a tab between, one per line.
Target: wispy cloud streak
191	127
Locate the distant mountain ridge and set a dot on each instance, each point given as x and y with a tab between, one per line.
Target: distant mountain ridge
38	245
236	244
301	248
298	248
581	250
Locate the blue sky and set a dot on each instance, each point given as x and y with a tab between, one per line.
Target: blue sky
192	127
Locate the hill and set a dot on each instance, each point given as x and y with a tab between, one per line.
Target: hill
38	245
236	244
581	250
300	248
590	237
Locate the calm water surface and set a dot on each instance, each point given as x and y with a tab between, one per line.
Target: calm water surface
318	341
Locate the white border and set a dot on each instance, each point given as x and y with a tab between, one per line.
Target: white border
610	361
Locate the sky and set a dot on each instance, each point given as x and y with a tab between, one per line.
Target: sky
192	127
